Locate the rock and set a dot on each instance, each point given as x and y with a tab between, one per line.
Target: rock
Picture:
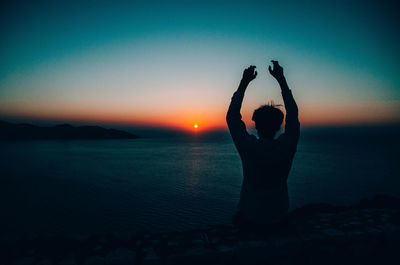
225	254
285	242
198	250
44	262
79	238
70	260
197	242
349	235
120	256
150	256
312	237
373	231
155	242
333	232
252	255
94	260
194	255
173	244
150	253
230	238
252	244
215	240
224	248
355	233
97	248
122	236
24	261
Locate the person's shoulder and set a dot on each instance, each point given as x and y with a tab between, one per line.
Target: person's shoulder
286	142
251	138
280	137
283	139
287	136
247	144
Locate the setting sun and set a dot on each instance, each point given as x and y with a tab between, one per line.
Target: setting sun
195	126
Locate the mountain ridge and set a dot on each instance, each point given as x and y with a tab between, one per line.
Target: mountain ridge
10	130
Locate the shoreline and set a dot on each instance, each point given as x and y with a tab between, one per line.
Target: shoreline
367	232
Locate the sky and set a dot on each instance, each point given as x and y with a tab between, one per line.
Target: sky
177	63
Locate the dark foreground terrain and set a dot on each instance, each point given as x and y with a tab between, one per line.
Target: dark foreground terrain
365	233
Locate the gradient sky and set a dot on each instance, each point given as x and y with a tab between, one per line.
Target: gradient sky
176	63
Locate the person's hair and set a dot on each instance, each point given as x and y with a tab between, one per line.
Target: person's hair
268	119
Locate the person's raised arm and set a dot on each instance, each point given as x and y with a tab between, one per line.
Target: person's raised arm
236	126
292	125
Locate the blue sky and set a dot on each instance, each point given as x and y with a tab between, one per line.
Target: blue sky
175	63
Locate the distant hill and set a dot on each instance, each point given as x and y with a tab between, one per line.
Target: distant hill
63	131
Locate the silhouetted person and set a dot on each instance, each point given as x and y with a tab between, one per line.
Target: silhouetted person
266	161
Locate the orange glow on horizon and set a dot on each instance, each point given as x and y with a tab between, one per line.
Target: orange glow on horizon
217	124
179	119
207	118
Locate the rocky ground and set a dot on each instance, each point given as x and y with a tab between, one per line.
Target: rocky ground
365	233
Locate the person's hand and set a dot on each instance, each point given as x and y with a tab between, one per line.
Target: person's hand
277	72
249	74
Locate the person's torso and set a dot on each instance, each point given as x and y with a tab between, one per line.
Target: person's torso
266	165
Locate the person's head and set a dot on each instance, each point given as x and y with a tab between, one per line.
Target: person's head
268	120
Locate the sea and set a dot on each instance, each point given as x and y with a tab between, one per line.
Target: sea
161	184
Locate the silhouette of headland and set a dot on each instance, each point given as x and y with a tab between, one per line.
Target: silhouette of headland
62	131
